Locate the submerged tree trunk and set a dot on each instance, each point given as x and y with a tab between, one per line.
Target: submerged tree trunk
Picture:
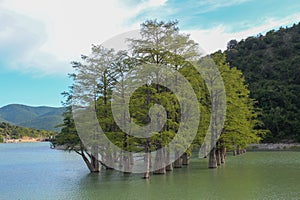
185	159
126	163
223	155
168	160
147	160
109	160
238	151
115	156
147	165
178	161
131	159
88	159
212	163
234	152
95	159
88	164
160	162
244	150
218	156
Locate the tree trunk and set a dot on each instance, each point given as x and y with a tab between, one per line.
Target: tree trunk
223	155
212	163
126	163
115	156
234	152
147	165
95	158
218	156
109	161
131	159
88	164
238	151
147	159
160	164
87	161
177	162
185	159
169	167
168	159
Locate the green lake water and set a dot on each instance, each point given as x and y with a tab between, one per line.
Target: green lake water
34	171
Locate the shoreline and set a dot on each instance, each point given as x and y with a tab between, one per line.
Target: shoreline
273	147
23	140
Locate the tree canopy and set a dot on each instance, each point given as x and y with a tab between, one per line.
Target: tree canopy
8	131
106	71
271	66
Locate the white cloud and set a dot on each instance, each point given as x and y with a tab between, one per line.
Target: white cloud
210	5
46	35
151	4
70	26
216	38
20	42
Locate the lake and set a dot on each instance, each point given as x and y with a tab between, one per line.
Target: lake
34	171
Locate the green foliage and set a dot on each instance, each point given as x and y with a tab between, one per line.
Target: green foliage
9	131
271	66
68	136
199	87
98	74
242	126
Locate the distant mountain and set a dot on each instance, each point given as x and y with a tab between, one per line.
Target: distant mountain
42	117
2	120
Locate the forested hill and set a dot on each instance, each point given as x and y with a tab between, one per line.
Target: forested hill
43	117
271	66
9	132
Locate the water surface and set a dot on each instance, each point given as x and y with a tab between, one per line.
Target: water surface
34	171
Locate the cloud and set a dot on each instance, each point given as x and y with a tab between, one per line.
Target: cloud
139	5
44	36
217	38
142	4
20	41
61	31
179	9
210	5
15	39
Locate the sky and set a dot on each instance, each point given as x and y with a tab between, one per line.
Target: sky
39	38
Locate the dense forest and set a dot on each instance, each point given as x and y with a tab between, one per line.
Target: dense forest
8	131
271	66
105	71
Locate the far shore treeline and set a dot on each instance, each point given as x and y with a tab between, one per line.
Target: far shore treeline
13	133
172	48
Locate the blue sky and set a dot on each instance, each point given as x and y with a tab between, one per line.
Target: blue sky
38	39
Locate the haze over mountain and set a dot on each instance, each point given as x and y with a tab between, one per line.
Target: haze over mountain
42	117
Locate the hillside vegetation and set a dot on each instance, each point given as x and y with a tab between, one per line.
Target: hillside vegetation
43	117
8	132
271	66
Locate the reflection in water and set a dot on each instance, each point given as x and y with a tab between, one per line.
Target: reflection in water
34	171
